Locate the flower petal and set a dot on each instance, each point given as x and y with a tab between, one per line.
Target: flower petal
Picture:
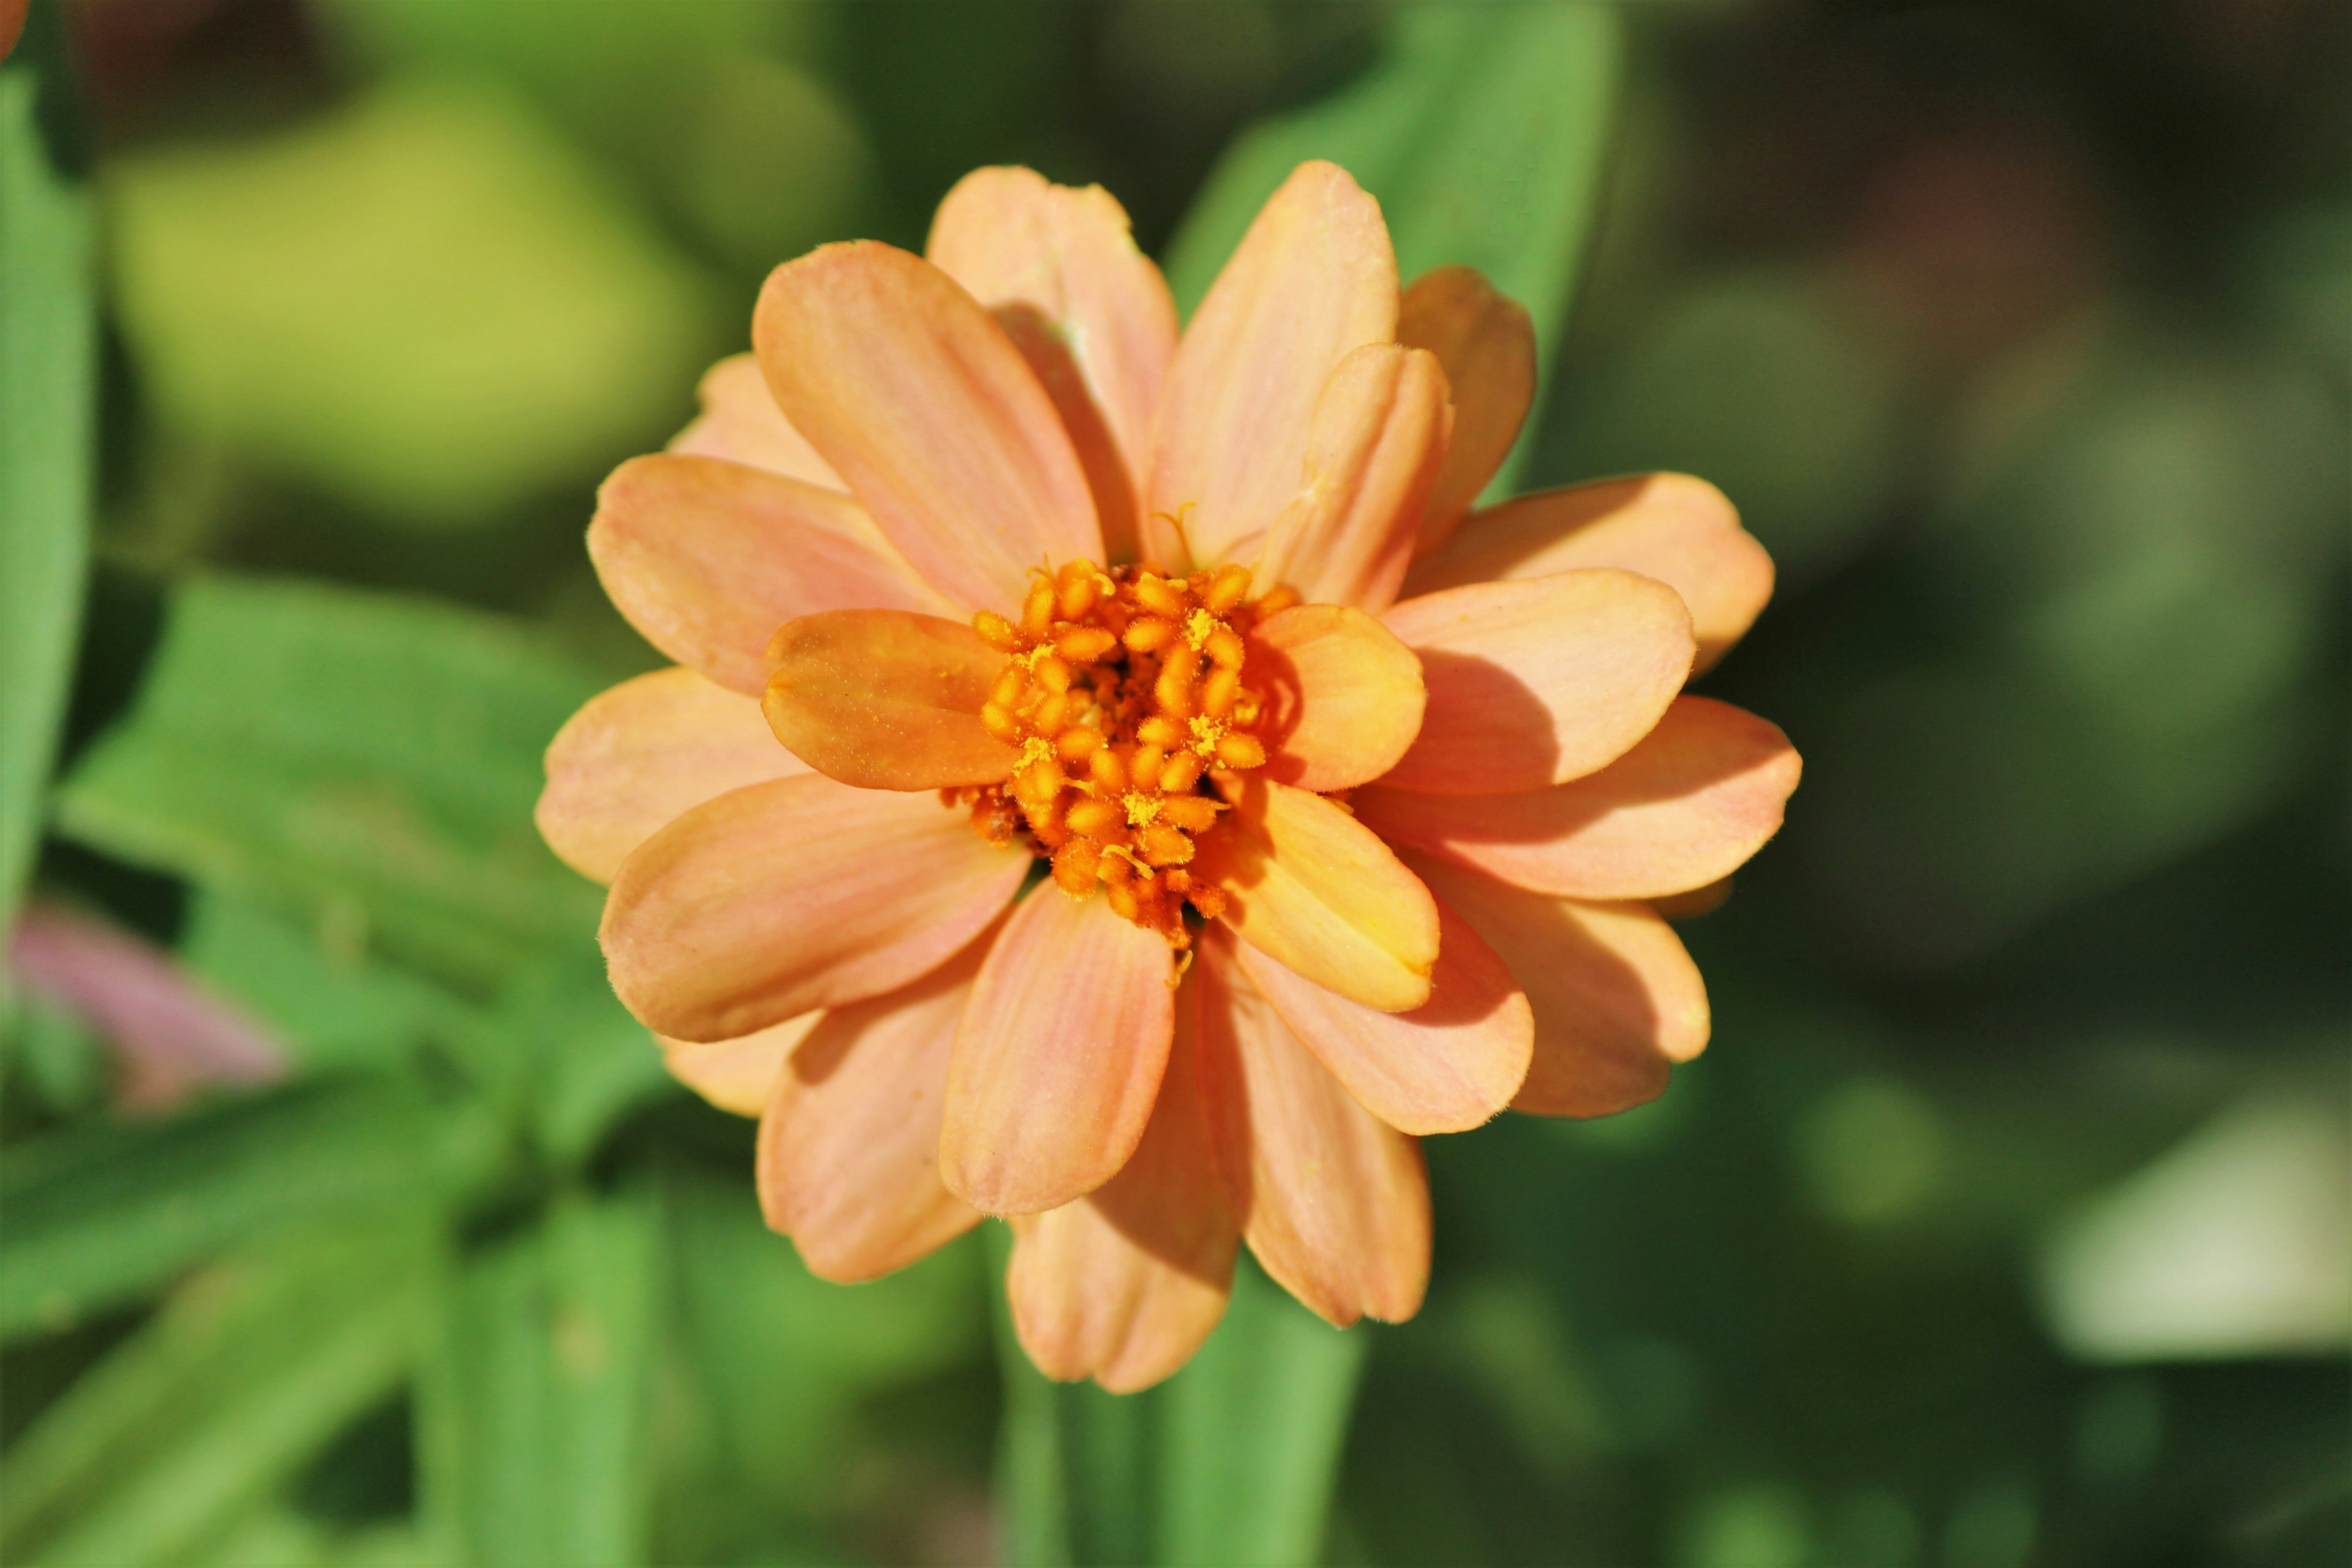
1537	683
708	558
736	1075
1447	1066
1616	999
1060	270
798	893
1343	696
848	1159
1672	527
1378	432
1486	342
918	400
1314	280
1124	1284
1686	807
742	423
642	753
1333	1200
1307	884
1058	1058
885	699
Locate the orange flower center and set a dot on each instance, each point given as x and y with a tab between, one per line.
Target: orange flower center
1124	691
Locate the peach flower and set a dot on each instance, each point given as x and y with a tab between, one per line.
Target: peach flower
1338	806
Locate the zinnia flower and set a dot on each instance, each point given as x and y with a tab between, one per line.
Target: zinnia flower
1335	805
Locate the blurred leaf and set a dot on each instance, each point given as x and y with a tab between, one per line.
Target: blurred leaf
249	1368
581	1060
64	1063
98	1213
426	303
369	759
533	1410
1483	134
47	395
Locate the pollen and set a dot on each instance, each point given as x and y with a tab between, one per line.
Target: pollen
1125	692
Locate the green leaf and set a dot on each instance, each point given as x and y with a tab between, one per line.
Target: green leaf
96	1215
533	1410
48	394
249	1368
1482	135
579	1061
368	759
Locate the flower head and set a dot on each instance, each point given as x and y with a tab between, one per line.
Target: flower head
1338	805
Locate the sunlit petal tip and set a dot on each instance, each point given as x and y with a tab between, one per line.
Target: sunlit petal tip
886	699
1344	696
1486	342
741	422
917	397
1058	1056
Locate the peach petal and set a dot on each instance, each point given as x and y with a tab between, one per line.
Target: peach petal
1343	695
1123	1285
1314	280
848	1157
1486	342
799	893
1058	1058
916	396
885	699
644	752
1449	1065
1672	527
1686	807
1379	433
736	1075
1311	887
1617	1000
708	558
742	423
1333	1200
1060	270
1537	683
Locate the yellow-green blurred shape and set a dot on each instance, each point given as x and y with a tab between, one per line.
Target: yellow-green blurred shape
1872	1149
425	303
2236	1243
774	163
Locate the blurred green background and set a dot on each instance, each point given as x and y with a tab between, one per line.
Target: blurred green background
2007	1221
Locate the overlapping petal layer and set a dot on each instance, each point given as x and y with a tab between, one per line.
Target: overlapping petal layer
741	422
790	895
707	558
1314	280
736	1075
641	754
1536	683
1058	1058
848	1158
886	699
1344	697
920	402
1486	342
1333	1200
1686	807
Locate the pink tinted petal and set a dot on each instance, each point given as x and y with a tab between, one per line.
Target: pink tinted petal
642	753
885	699
1309	885
736	1075
1617	1000
799	893
1343	696
1124	1284
1486	342
708	558
1314	280
1059	1057
1088	310
917	397
1447	1066
1379	433
848	1159
1537	683
1686	807
1672	527
742	423
1331	1199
